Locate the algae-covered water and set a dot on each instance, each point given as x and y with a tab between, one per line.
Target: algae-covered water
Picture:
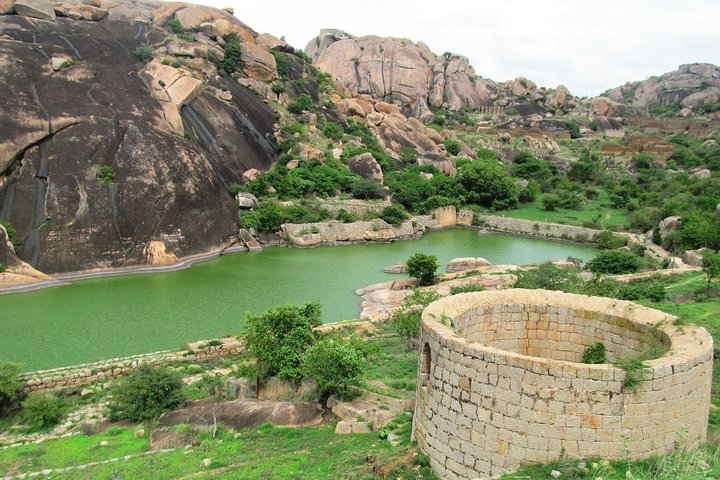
117	316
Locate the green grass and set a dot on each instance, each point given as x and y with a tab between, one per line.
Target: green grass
265	453
75	450
394	363
609	217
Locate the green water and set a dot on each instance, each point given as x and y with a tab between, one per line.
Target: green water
110	317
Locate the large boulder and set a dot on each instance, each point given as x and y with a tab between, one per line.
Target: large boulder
367	167
466	263
41	9
7	6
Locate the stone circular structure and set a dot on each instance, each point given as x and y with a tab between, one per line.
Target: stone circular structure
499	382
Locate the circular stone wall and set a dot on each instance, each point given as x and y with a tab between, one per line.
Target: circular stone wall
499	386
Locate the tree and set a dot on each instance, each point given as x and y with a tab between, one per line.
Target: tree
278	339
217	388
10	391
711	266
487	184
334	365
614	262
423	268
232	53
145	394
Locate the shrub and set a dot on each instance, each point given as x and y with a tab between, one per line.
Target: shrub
422	267
549	277
608	241
41	411
278	339
301	104
10	391
614	262
345	216
333	131
406	323
12	233
232	54
145	394
144	53
106	175
594	354
174	25
334	365
551	202
473	287
365	190
282	63
2	267
278	88
573	127
636	371
711	266
453	147
409	155
394	214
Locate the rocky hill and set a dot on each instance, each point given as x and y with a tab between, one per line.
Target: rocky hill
396	70
102	153
691	88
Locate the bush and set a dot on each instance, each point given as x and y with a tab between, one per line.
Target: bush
423	268
12	233
282	63
345	216
711	266
334	365
301	104
278	88
144	53
409	155
333	131
549	277
232	54
106	175
453	147
473	287
10	391
365	190
174	25
145	394
278	339
594	354
406	323
573	127
394	214
41	411
608	241
2	267
551	202
614	262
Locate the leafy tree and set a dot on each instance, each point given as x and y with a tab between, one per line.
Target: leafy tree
582	171
422	267
10	391
232	54
365	189
145	394
711	266
453	147
487	184
334	365
278	339
614	262
42	410
607	240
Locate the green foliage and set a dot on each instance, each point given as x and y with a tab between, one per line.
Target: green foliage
2	267
12	233
333	131
406	320
422	267
41	410
667	110
594	354
371	143
528	167
278	88
636	371
551	202
345	216
106	175
711	266
235	188
278	339
487	184
269	216
394	214
473	287
232	54
549	277
303	103
614	262
174	26
215	387
483	153
144	53
409	155
10	388
607	240
334	365
364	189
452	147
573	127
282	63
145	394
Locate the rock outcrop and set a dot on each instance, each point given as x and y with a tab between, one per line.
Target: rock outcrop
692	86
399	71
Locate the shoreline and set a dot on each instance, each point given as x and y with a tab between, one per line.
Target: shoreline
187	262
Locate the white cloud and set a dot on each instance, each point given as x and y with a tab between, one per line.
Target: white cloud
589	46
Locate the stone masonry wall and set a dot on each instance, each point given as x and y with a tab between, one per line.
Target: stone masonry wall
485	408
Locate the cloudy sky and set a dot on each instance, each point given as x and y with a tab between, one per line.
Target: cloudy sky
587	45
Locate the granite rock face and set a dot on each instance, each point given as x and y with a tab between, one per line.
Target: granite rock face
172	147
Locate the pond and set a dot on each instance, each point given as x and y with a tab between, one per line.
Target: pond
117	316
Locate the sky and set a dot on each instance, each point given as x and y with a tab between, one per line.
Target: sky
586	45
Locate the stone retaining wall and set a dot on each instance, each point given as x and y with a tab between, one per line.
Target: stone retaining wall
538	229
498	386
